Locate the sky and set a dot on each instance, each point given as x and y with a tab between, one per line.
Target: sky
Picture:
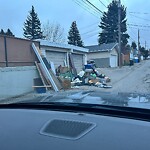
13	14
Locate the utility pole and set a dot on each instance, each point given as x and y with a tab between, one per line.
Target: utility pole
139	53
138	40
145	45
119	30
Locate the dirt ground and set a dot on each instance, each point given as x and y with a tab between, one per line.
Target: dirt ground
128	79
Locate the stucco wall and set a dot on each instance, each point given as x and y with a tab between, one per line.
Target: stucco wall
16	81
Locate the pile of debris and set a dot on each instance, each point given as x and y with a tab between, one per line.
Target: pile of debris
88	76
91	77
66	77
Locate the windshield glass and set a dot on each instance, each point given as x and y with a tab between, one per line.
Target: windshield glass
89	51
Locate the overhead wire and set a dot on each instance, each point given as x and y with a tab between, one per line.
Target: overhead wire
91	6
132	35
94	6
136	25
90	25
102	3
90	36
91	31
142	13
139	17
85	8
96	10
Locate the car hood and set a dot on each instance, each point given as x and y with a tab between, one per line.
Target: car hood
90	97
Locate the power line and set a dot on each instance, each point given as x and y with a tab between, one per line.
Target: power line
139	17
136	25
91	31
90	25
102	3
90	36
85	8
94	6
142	13
90	6
138	28
132	35
132	39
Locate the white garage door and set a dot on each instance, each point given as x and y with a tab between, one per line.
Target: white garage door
113	61
78	62
56	57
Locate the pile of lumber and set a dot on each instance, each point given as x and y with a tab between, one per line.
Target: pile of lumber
48	78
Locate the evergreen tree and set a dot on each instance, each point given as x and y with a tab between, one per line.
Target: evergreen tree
32	26
109	25
2	32
133	45
9	33
144	52
74	37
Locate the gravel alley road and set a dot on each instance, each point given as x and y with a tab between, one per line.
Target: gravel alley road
134	79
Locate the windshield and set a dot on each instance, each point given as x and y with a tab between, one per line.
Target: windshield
72	51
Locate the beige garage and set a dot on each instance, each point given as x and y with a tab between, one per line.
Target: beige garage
59	54
104	55
53	56
78	61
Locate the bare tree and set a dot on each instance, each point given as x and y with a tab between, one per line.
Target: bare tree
53	32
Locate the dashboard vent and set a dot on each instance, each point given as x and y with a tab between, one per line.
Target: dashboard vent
67	129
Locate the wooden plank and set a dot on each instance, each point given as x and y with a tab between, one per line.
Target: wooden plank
45	69
71	62
40	73
44	75
39	51
55	79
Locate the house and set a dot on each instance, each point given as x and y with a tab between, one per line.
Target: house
104	55
59	54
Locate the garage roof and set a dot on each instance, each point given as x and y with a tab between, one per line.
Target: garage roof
65	46
102	47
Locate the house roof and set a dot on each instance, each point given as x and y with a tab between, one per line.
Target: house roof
65	46
102	47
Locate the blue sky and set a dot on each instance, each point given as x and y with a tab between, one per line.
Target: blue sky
14	12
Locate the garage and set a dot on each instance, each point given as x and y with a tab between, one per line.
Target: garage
58	53
102	62
113	61
57	58
78	61
104	55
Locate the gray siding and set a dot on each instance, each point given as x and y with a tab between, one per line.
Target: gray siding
56	57
78	61
102	62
